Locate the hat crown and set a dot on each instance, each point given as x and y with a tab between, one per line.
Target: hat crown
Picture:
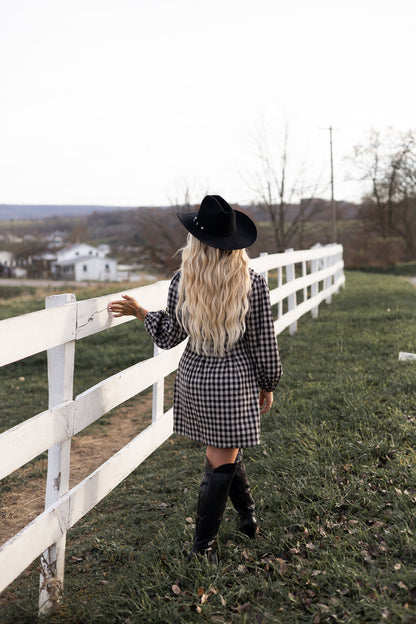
218	225
216	216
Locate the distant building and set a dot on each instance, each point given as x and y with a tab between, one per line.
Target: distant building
19	271
41	264
9	267
86	268
7	258
55	239
84	262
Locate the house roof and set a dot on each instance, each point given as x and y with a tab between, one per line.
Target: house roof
72	249
83	259
78	245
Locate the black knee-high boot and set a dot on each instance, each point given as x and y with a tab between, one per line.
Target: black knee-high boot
242	499
213	494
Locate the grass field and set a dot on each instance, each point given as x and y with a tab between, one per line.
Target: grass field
334	481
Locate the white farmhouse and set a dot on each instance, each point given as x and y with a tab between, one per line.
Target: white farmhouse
83	262
86	268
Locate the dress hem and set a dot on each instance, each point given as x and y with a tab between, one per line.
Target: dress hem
215	444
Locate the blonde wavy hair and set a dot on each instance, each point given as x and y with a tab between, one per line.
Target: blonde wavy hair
213	300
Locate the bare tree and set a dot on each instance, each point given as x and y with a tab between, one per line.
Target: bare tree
160	235
276	190
388	162
183	202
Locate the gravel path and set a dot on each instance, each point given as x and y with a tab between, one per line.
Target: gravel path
138	277
38	283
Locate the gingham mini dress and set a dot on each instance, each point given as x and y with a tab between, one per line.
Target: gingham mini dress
216	399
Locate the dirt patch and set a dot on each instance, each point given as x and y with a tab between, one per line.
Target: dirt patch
88	452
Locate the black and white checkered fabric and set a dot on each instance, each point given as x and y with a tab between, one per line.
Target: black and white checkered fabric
216	399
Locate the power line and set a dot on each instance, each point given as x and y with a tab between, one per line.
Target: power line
333	210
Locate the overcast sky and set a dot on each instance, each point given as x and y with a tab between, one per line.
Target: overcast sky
128	102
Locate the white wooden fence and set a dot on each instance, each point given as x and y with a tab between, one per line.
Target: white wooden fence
310	277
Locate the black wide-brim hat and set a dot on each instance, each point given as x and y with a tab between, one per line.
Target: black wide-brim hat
218	225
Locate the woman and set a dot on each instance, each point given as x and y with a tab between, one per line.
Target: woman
230	366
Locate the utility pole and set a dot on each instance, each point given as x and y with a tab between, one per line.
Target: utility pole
333	213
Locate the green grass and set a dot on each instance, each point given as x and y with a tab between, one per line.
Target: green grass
334	481
407	269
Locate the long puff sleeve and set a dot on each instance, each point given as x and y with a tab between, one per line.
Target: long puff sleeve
260	336
162	326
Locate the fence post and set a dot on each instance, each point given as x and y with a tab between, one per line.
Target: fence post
60	378
279	285
339	274
315	287
328	280
304	273
158	392
291	300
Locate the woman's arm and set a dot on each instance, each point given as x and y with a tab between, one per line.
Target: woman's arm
128	307
260	337
162	325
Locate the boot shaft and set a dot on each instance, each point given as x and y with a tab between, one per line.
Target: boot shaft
242	499
213	494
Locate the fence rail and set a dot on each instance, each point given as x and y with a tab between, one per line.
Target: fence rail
310	277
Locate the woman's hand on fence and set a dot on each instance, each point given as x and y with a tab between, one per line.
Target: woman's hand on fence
265	401
127	306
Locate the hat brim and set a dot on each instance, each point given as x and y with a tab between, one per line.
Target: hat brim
245	232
